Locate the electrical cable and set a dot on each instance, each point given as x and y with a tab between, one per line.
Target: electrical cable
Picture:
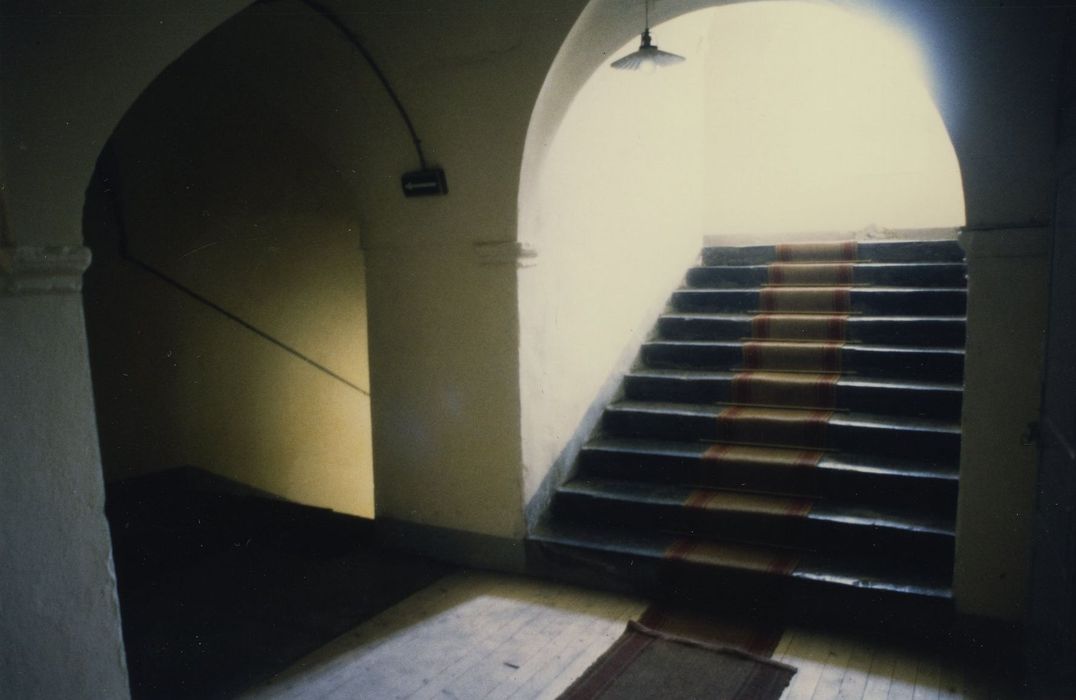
350	35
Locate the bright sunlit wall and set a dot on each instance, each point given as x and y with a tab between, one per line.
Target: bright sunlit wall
789	119
820	119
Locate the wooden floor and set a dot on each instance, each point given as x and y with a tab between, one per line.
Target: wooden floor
483	635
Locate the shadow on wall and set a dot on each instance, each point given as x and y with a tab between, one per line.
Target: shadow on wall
787	120
224	179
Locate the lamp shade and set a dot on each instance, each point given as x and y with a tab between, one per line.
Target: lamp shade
647	55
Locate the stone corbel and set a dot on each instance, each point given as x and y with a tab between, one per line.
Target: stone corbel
42	269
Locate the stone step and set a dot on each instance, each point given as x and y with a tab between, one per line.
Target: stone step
851	432
816	525
866	251
923	274
726	566
924	331
931	363
852	393
868	301
868	479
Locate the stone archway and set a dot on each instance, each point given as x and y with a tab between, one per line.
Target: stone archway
625	174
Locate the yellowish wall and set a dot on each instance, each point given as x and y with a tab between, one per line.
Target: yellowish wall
177	383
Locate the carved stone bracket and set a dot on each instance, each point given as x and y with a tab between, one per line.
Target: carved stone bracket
42	269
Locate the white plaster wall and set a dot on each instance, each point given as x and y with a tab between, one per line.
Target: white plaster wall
59	617
615	219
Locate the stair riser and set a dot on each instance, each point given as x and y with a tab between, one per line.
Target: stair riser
949	275
943	404
865	488
927	365
897	251
788	598
911	302
920	333
803	533
895	441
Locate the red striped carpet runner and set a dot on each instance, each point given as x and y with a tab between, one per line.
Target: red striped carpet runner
782	400
805	390
792	357
733	556
741	502
815	252
748	456
784	427
798	326
810	274
805	299
753	632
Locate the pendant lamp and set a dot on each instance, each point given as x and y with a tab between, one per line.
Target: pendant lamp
648	56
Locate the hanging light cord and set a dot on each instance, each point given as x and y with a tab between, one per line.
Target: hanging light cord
348	34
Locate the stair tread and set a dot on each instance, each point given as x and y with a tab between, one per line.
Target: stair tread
869	250
849	419
675	495
854	289
855	263
853	347
896	577
844	380
854	318
837	461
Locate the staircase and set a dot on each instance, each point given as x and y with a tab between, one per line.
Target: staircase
791	430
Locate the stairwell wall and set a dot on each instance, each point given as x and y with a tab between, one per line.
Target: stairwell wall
219	187
615	217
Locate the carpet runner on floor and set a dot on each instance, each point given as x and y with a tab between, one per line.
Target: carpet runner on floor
645	663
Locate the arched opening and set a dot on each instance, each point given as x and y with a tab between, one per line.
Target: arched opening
226	319
226	309
789	121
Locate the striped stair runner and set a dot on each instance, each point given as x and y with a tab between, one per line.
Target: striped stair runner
794	423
